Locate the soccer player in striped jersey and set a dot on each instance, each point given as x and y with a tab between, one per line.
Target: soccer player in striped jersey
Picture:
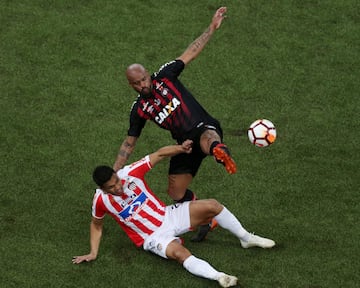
164	100
150	223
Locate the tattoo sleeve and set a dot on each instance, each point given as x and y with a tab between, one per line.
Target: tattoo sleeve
126	149
200	42
123	153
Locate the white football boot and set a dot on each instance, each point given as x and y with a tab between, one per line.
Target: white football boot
257	241
227	280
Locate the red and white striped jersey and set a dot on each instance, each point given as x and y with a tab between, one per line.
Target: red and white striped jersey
139	212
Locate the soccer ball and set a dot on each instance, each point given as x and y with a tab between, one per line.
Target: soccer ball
262	133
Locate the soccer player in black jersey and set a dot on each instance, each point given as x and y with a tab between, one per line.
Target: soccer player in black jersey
164	100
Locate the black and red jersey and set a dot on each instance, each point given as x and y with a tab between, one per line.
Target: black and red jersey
171	106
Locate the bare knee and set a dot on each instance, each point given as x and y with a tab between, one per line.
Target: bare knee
202	211
215	206
181	255
207	138
177	252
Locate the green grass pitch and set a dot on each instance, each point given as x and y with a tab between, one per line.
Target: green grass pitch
64	109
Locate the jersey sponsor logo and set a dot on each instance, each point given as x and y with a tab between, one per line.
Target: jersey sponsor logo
135	206
167	110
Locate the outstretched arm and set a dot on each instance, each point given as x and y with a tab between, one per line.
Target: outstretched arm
198	45
126	148
168	151
96	227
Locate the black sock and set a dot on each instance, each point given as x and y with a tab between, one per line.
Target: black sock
212	146
188	196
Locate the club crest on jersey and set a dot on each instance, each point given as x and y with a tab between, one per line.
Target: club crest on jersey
131	186
159	86
167	110
164	92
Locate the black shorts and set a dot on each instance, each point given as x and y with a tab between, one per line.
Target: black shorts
189	163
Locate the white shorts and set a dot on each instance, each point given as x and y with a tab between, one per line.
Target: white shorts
176	222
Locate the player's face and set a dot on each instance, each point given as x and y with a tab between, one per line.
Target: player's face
140	81
113	186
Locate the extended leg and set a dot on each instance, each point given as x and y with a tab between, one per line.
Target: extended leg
197	266
203	210
210	143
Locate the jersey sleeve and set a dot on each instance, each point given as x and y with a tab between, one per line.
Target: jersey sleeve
172	69
136	122
98	209
137	169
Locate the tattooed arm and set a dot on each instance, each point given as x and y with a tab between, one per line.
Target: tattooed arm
126	148
198	45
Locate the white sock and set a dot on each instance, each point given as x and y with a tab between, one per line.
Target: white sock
228	221
201	268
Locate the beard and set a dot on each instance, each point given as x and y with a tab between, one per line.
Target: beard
145	92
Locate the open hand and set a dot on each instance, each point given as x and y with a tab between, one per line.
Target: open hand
79	259
218	17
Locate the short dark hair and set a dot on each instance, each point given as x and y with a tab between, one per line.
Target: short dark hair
102	174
